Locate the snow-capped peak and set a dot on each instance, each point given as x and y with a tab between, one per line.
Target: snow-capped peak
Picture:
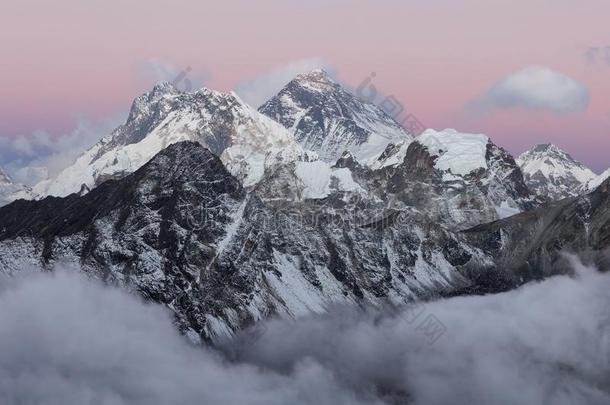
329	120
246	141
553	173
552	161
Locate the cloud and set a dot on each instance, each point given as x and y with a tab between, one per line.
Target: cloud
547	342
35	157
535	88
261	88
185	78
68	340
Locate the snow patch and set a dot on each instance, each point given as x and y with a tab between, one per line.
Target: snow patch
458	153
318	177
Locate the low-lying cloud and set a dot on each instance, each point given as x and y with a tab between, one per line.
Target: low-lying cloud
535	88
66	340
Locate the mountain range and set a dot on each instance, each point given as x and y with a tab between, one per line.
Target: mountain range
228	215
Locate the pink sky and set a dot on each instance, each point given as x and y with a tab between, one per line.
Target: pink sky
74	57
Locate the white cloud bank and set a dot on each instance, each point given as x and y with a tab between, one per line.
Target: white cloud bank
536	88
68	341
261	88
65	340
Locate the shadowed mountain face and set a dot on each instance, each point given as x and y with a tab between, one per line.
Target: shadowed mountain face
530	244
182	231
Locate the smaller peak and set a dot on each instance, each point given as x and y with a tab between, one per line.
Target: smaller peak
549	149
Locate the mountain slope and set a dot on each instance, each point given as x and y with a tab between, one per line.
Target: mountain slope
246	141
530	245
554	174
328	120
183	231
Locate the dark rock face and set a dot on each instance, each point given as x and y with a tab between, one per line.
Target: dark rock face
163	177
529	245
136	231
